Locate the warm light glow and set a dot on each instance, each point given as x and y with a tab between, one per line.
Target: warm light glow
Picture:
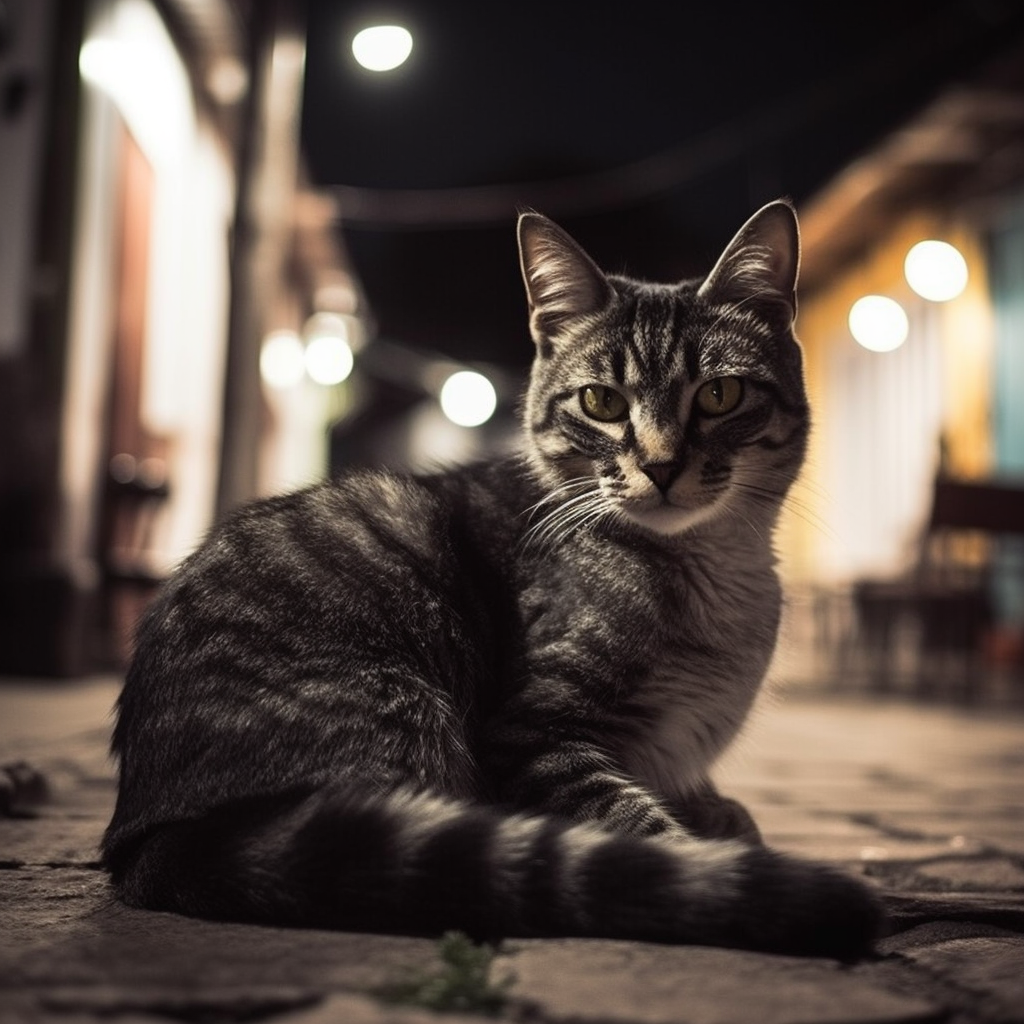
133	61
228	80
103	62
282	359
337	294
329	356
328	359
936	270
878	323
382	47
468	398
136	76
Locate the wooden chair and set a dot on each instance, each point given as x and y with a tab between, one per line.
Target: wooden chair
930	624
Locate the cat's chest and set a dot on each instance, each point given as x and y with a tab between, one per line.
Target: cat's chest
702	679
671	652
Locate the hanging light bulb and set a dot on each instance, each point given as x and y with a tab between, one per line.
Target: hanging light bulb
878	323
468	398
329	359
936	270
382	47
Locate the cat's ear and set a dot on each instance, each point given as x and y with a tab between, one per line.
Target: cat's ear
562	282
761	262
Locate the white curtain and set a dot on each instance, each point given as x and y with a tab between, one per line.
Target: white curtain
881	424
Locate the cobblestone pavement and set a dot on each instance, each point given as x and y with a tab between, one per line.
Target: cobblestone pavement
927	802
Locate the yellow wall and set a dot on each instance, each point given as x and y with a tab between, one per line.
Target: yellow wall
965	327
968	341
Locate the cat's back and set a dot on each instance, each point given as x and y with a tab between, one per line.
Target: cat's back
258	662
330	548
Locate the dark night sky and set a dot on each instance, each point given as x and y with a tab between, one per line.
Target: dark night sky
742	101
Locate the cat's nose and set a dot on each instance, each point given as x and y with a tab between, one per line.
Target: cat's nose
662	473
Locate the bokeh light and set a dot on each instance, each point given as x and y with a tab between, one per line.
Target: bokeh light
328	359
468	398
878	323
228	80
382	47
282	359
936	270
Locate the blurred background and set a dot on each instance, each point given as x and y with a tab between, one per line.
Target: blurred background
244	246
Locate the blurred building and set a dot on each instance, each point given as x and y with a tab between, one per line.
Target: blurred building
155	228
941	400
178	324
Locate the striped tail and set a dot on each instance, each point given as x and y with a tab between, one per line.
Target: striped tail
424	864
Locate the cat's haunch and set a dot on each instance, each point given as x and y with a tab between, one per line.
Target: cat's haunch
489	698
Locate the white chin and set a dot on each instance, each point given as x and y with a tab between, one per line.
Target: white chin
667	520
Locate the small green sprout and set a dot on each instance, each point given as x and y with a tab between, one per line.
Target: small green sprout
462	985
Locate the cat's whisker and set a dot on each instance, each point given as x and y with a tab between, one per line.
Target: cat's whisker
567	517
555	496
605	511
581	485
573	505
735	513
772	497
811	518
566	520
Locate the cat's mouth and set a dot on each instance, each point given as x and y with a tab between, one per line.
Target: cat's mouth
673	512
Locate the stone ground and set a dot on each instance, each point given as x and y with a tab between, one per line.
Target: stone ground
925	801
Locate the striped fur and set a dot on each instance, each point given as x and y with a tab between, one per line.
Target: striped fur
490	698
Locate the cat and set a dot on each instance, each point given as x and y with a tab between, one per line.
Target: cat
488	698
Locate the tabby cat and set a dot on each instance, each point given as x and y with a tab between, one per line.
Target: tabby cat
489	698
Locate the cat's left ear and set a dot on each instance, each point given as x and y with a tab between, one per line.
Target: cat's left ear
762	261
562	282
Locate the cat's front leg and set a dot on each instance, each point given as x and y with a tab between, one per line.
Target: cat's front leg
708	814
544	758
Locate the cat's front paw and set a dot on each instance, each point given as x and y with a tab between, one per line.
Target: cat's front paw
712	816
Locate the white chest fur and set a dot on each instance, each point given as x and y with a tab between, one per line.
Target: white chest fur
698	696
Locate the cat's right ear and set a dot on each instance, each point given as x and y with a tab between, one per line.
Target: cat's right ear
562	282
761	262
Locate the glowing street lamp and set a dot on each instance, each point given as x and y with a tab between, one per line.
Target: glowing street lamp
936	270
878	323
328	357
468	398
382	47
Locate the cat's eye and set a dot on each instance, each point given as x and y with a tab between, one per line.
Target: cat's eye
603	403
719	396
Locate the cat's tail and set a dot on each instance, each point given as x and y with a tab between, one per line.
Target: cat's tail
425	864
